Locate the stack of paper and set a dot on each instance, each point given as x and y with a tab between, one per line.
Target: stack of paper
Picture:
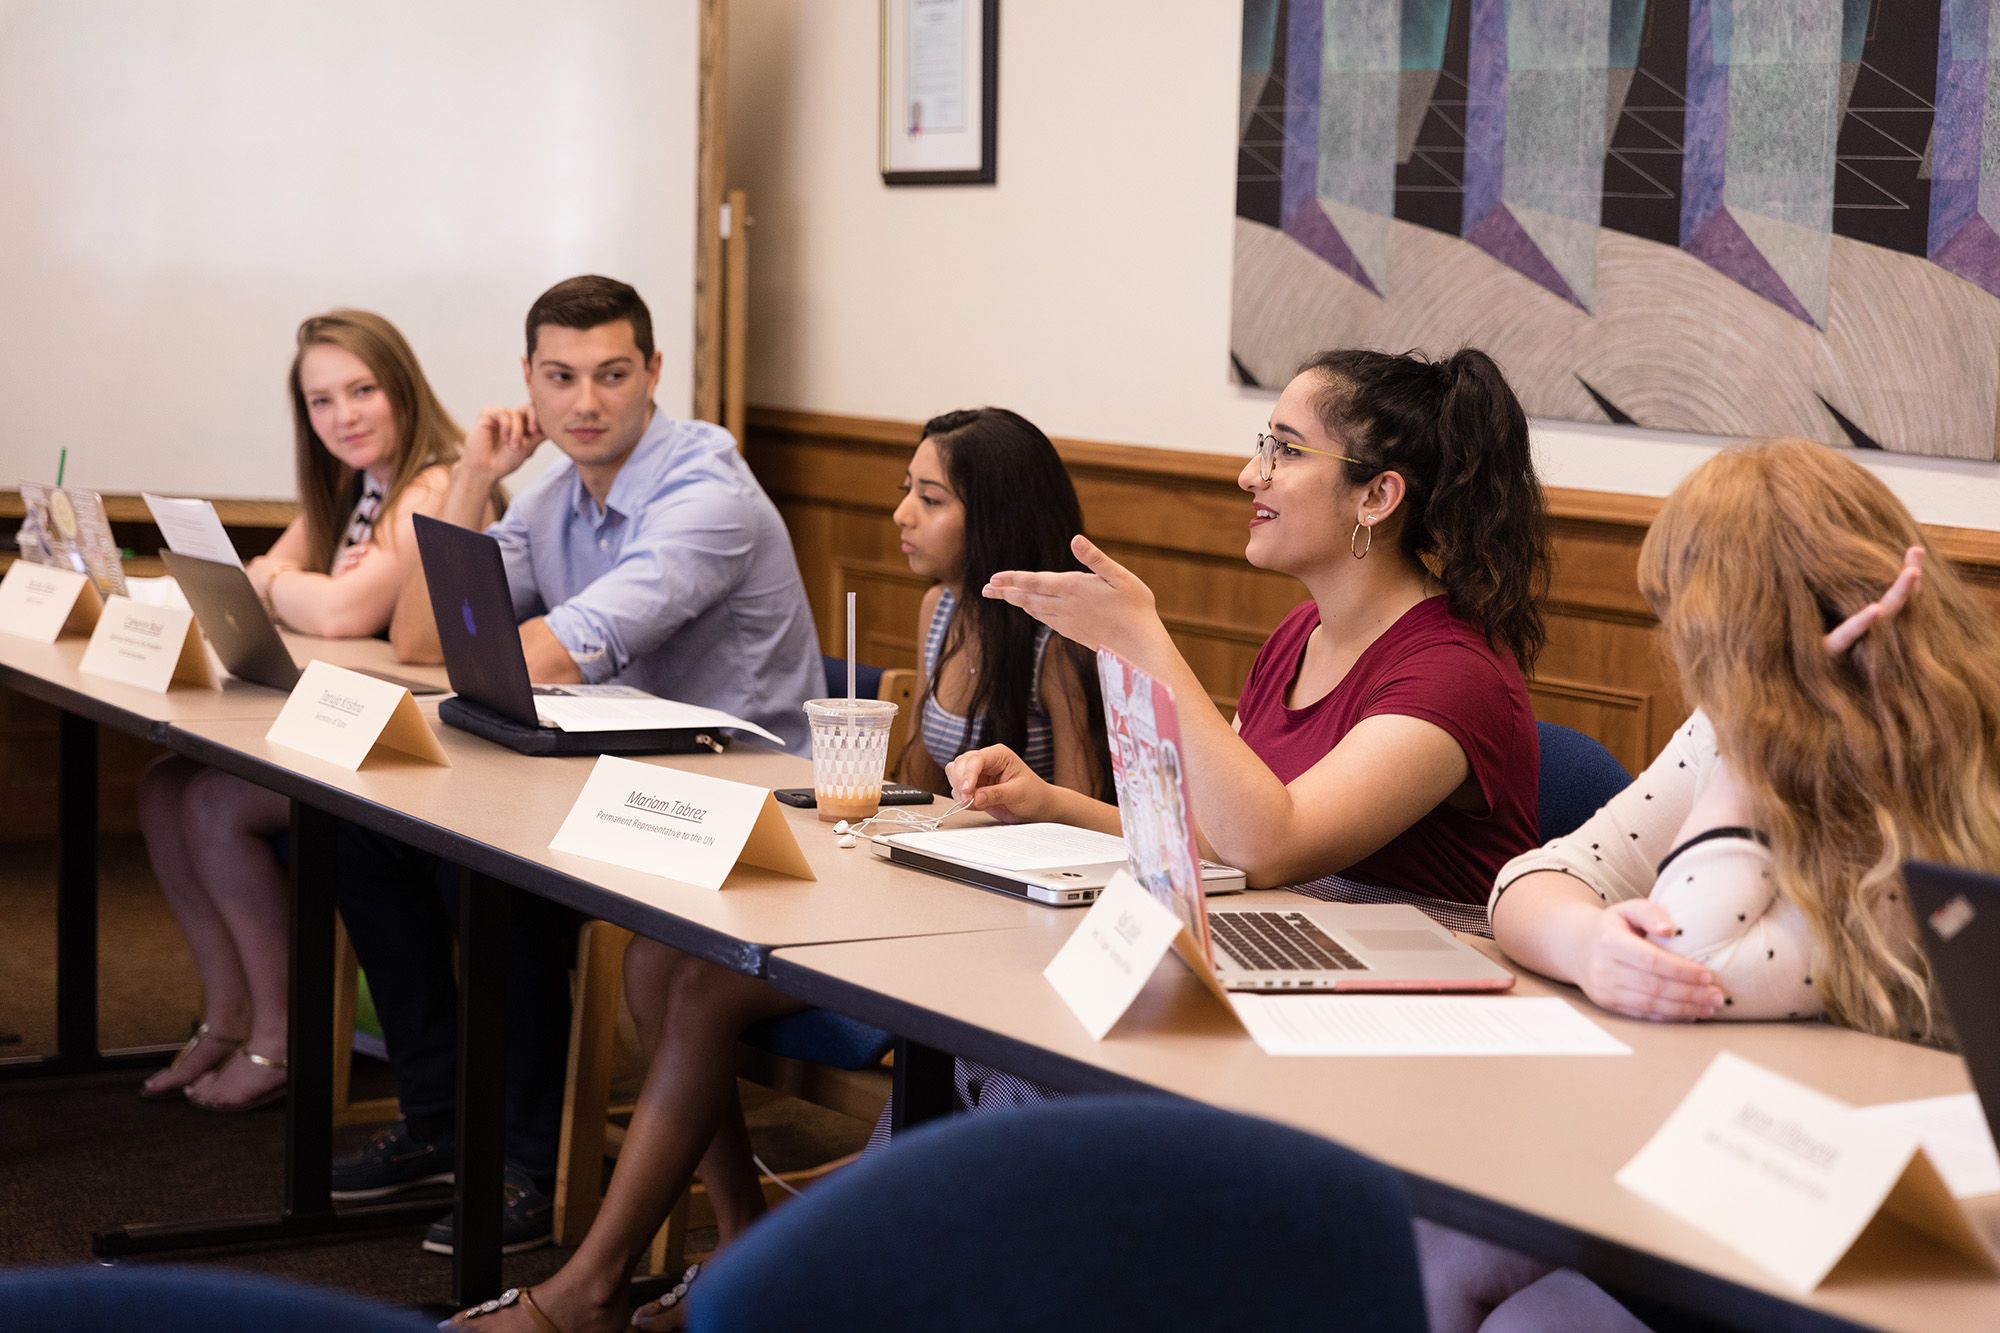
1420	1025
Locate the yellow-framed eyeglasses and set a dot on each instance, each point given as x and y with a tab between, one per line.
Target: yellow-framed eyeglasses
1269	445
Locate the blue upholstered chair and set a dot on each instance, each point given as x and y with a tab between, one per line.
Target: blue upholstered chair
867	679
1100	1213
88	1299
1578	776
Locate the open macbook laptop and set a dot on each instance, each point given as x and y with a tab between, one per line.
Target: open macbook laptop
1055	864
481	641
1309	947
1958	920
235	621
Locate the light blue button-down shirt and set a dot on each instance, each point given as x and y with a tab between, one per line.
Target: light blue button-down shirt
683	585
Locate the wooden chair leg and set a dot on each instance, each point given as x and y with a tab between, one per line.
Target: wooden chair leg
593	1041
346	995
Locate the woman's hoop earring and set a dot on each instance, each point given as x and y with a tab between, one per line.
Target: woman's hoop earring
1366	546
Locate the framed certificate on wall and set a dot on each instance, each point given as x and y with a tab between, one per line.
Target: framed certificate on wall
940	79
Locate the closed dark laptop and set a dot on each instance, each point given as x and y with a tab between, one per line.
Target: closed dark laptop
1958	920
481	642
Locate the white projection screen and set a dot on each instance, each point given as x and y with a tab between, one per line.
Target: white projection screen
183	181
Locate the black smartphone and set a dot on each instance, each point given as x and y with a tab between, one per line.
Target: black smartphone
893	793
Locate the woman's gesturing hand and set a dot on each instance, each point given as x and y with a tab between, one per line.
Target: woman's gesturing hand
1106	607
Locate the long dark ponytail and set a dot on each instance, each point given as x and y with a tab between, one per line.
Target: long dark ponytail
1020	513
1475	514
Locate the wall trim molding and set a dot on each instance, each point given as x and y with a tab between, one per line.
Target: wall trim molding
1578	512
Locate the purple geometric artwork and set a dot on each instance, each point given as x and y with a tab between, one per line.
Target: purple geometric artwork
1736	217
1963	183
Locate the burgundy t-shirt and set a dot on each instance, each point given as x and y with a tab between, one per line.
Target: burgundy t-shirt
1431	665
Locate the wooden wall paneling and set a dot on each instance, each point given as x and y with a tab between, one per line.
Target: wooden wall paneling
1178	520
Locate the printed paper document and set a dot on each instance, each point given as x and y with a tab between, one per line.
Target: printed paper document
192	528
1021	846
1420	1025
623	708
1953	1131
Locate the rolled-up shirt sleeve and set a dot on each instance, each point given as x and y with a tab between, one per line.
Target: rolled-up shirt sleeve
1617	851
690	549
512	534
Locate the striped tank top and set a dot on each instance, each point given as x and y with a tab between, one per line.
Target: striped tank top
945	733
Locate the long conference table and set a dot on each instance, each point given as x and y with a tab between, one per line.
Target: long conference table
1522	1150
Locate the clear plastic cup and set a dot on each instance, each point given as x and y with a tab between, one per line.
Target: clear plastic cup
850	748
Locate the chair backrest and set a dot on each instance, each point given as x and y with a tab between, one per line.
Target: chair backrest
1120	1208
87	1299
867	679
1578	776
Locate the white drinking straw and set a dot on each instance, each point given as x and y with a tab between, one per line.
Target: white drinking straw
850	647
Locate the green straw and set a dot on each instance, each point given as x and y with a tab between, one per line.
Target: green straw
61	464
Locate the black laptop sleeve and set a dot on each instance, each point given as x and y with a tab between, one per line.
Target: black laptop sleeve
503	730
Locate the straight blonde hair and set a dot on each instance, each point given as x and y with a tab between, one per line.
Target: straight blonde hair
1854	762
425	433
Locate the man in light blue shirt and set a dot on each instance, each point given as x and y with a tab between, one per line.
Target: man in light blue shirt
649	557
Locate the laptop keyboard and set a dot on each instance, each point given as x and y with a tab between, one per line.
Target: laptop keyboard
1279	942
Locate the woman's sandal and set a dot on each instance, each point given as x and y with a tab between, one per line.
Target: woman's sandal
201	1034
262	1099
643	1317
521	1296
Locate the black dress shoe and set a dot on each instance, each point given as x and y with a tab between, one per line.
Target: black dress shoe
527	1218
393	1161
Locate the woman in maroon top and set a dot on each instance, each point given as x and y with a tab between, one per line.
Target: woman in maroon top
1384	745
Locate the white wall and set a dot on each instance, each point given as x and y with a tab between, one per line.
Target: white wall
181	183
1089	289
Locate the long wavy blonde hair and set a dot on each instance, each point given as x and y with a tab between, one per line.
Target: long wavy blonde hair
1854	762
426	434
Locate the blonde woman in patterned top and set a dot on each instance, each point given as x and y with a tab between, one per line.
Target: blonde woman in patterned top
374	447
1754	870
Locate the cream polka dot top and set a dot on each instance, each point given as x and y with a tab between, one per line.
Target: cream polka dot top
1716	886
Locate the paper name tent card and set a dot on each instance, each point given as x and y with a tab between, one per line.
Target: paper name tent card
43	603
344	718
679	825
152	647
1791	1178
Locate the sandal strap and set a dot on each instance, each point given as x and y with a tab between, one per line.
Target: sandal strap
522	1296
264	1061
203	1032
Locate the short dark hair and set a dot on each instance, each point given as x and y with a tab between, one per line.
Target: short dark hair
588	301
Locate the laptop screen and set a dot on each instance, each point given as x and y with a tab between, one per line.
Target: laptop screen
1153	804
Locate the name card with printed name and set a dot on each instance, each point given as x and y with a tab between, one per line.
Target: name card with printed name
1115	949
152	647
343	717
684	826
43	603
1789	1177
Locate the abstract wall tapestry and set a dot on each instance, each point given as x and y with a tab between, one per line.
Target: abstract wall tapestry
1739	217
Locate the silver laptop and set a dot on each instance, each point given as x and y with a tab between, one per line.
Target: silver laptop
235	621
1055	864
1307	947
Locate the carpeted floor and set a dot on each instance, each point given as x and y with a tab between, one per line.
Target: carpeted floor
83	1154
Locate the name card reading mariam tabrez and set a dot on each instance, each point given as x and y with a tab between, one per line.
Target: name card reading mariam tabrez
684	826
343	717
41	602
151	647
1791	1178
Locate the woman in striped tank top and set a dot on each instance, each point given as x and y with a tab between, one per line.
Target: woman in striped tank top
985	491
374	447
990	676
